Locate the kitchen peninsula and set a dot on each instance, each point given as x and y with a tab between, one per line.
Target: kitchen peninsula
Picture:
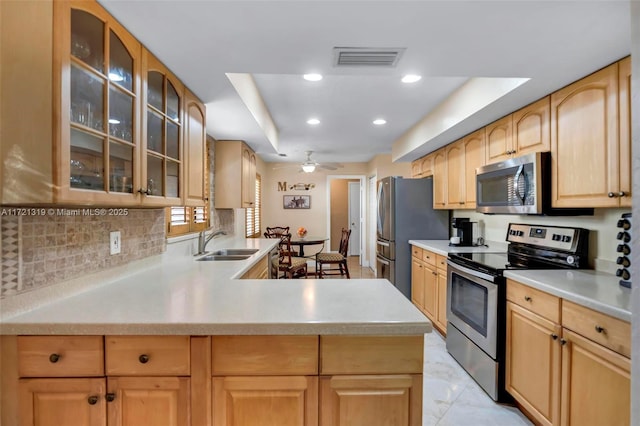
191	343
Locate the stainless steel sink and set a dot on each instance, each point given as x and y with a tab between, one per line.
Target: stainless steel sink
221	257
234	252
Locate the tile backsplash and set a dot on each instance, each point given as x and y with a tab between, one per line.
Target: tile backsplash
38	251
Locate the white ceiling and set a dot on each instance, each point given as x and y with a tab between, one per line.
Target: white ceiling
551	42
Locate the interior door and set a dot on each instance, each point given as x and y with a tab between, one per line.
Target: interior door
354	218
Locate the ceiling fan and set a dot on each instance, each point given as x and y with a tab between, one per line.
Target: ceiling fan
309	165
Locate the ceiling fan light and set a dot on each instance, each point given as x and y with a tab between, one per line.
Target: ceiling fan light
308	168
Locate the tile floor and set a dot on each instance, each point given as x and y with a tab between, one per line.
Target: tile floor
452	398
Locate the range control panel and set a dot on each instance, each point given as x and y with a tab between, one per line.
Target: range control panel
624	250
551	237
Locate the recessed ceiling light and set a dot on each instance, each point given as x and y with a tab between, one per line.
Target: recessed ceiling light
411	78
313	121
312	77
379	121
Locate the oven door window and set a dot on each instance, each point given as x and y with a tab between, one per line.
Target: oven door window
469	302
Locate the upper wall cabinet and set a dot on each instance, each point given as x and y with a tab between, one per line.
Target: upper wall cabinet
195	146
234	175
99	120
162	160
440	179
624	73
473	146
422	167
499	140
586	149
531	132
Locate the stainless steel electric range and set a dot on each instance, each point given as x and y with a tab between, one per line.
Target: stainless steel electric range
476	295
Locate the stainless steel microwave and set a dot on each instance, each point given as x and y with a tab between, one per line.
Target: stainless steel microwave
515	186
520	185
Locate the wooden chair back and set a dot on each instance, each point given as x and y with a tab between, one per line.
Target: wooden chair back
344	242
276	231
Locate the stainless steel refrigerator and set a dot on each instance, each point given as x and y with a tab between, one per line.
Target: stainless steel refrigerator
405	212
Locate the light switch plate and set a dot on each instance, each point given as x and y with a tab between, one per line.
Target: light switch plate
114	242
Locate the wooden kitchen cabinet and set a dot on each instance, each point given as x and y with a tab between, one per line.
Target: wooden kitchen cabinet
473	147
55	402
84	85
235	175
585	144
422	167
531	128
195	151
499	139
578	379
259	271
417	282
441	316
440	179
429	286
455	175
624	98
532	341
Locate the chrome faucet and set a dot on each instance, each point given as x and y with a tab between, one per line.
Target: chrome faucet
203	241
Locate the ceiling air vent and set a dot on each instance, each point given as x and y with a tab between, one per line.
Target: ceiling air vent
366	56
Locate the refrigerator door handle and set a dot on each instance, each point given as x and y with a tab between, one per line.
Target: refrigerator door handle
381	243
384	262
380	207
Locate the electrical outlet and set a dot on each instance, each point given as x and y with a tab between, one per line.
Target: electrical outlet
114	242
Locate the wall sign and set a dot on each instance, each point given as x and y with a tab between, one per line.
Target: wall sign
282	186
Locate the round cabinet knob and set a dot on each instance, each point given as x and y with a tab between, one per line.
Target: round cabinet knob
599	329
53	358
623	248
622	194
624	261
554	336
143	359
611	194
92	400
527	298
110	397
563	342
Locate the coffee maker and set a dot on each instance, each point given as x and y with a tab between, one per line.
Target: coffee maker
463	230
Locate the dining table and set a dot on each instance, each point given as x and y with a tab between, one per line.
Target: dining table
302	242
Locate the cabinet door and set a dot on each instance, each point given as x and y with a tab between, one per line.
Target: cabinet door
417	283
473	147
248	177
430	292
499	140
162	133
455	175
371	400
426	165
584	142
416	170
596	384
195	142
533	363
55	402
265	401
441	319
98	137
531	131
440	179
625	131
158	401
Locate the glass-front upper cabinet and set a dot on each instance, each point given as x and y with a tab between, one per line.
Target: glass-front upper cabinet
162	133
100	92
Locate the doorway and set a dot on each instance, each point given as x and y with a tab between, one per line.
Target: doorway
345	210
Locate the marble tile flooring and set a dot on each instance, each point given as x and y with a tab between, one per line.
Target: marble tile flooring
452	398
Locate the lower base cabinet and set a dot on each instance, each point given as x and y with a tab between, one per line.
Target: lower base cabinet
265	401
371	400
560	376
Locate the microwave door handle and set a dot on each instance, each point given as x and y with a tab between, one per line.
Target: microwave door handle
516	186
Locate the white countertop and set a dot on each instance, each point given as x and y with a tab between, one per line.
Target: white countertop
183	296
596	290
443	248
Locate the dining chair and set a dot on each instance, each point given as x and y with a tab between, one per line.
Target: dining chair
287	262
276	231
339	258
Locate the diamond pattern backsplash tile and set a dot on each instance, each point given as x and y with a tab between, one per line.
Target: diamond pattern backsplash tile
43	250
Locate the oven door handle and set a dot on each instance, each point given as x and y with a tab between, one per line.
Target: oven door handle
472	272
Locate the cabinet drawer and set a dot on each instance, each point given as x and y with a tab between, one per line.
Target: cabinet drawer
610	332
429	257
441	262
371	354
536	301
60	356
416	252
264	355
147	355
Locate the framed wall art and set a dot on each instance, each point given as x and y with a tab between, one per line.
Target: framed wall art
297	201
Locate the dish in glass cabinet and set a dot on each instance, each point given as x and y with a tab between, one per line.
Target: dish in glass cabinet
80	47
